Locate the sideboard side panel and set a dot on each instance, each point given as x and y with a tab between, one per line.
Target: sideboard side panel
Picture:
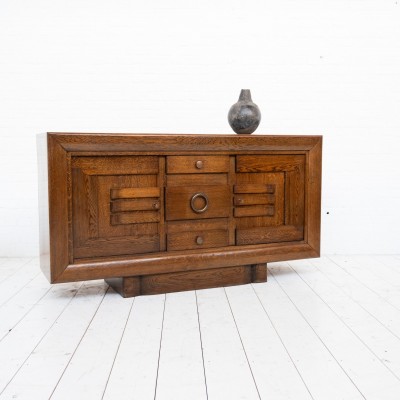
43	199
314	199
58	208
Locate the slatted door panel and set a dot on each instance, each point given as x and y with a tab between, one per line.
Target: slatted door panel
269	198
116	205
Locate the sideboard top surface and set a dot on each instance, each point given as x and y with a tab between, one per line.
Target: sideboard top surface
182	142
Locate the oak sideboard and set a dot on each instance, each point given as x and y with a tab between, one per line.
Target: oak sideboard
153	213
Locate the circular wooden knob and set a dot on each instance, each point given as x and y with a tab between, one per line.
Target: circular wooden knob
199	240
199	164
156	205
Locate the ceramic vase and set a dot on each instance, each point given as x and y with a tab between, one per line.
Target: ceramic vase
244	116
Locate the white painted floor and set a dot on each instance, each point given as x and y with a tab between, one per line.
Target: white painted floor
321	329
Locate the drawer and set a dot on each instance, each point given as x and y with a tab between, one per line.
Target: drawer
196	202
197	164
190	235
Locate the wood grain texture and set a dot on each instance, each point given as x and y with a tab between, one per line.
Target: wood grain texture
254	211
201	224
259	273
100	202
97	268
166	143
135	217
178	202
253	198
254	188
144	204
271	234
193	280
200	164
197	179
116	165
197	239
133	193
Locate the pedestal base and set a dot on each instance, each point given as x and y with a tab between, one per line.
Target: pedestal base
191	280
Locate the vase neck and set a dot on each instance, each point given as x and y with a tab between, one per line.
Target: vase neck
245	95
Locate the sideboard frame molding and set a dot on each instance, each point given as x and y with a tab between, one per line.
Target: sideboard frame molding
61	146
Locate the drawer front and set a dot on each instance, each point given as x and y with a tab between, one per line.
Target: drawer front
197	164
196	202
190	235
197	240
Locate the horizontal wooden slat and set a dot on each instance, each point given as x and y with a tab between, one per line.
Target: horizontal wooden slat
271	163
197	179
135	217
129	193
252	199
140	204
116	165
197	164
254	188
254	211
197	240
197	225
269	234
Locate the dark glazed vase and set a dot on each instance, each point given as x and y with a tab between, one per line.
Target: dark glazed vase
244	116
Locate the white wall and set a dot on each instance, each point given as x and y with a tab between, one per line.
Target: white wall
314	67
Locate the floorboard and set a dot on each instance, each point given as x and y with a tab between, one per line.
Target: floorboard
52	355
320	370
320	329
369	374
227	370
18	345
134	372
267	355
181	371
88	370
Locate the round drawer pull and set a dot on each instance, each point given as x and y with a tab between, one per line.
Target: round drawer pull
199	164
199	240
193	199
156	205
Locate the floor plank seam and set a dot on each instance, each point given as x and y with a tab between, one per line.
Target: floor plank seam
319	338
41	339
77	346
201	343
345	324
241	341
357	302
14	272
19	290
27	312
282	342
116	353
159	350
362	283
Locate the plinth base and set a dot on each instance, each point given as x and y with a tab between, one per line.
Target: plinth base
191	280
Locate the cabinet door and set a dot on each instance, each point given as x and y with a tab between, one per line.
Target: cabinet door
269	198
116	205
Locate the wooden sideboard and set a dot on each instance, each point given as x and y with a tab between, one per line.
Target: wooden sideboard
159	213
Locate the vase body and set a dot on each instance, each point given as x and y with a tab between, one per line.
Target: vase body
244	116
